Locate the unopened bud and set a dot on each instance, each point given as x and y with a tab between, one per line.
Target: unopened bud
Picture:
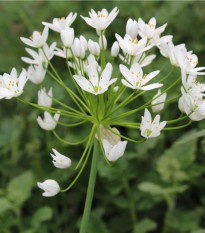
115	49
94	48
132	28
104	42
67	36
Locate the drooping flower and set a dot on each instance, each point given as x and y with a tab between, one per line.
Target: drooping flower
132	28
45	99
11	85
135	78
38	39
102	19
60	24
49	122
131	46
96	85
36	73
67	36
156	106
114	152
149	128
193	105
191	85
40	58
50	187
59	160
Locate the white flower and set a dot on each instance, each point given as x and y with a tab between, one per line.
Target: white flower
36	73
115	89
115	49
136	80
11	85
50	187
189	103
43	97
149	30
179	56
61	23
151	129
132	28
144	60
192	86
49	122
39	58
96	85
38	39
78	49
104	42
59	160
67	36
84	42
114	152
131	46
162	98
62	52
93	47
102	19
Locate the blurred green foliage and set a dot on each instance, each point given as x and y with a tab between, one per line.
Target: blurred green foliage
162	180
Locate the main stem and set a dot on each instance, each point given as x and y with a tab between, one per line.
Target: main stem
90	190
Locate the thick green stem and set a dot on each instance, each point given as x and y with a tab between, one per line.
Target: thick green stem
90	190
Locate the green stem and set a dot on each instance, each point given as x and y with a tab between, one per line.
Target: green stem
90	190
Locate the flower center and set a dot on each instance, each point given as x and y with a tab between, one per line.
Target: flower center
102	15
148	132
97	88
151	25
134	41
31	37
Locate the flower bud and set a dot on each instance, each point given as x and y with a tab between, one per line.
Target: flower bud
94	48
59	160
84	42
50	187
98	32
67	36
132	28
115	49
115	89
104	42
162	98
78	49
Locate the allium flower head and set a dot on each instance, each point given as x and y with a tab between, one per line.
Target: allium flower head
96	85
38	39
102	19
50	187
60	24
11	85
149	128
135	78
49	122
59	160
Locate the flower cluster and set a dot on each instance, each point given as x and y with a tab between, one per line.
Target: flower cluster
99	92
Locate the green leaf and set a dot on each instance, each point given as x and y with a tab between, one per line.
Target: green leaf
41	215
191	137
97	225
145	225
150	188
4	205
19	189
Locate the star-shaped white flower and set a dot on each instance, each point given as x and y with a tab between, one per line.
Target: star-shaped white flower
49	122
39	58
38	39
60	24
96	85
149	128
190	103
11	85
50	187
135	78
131	46
59	160
102	19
